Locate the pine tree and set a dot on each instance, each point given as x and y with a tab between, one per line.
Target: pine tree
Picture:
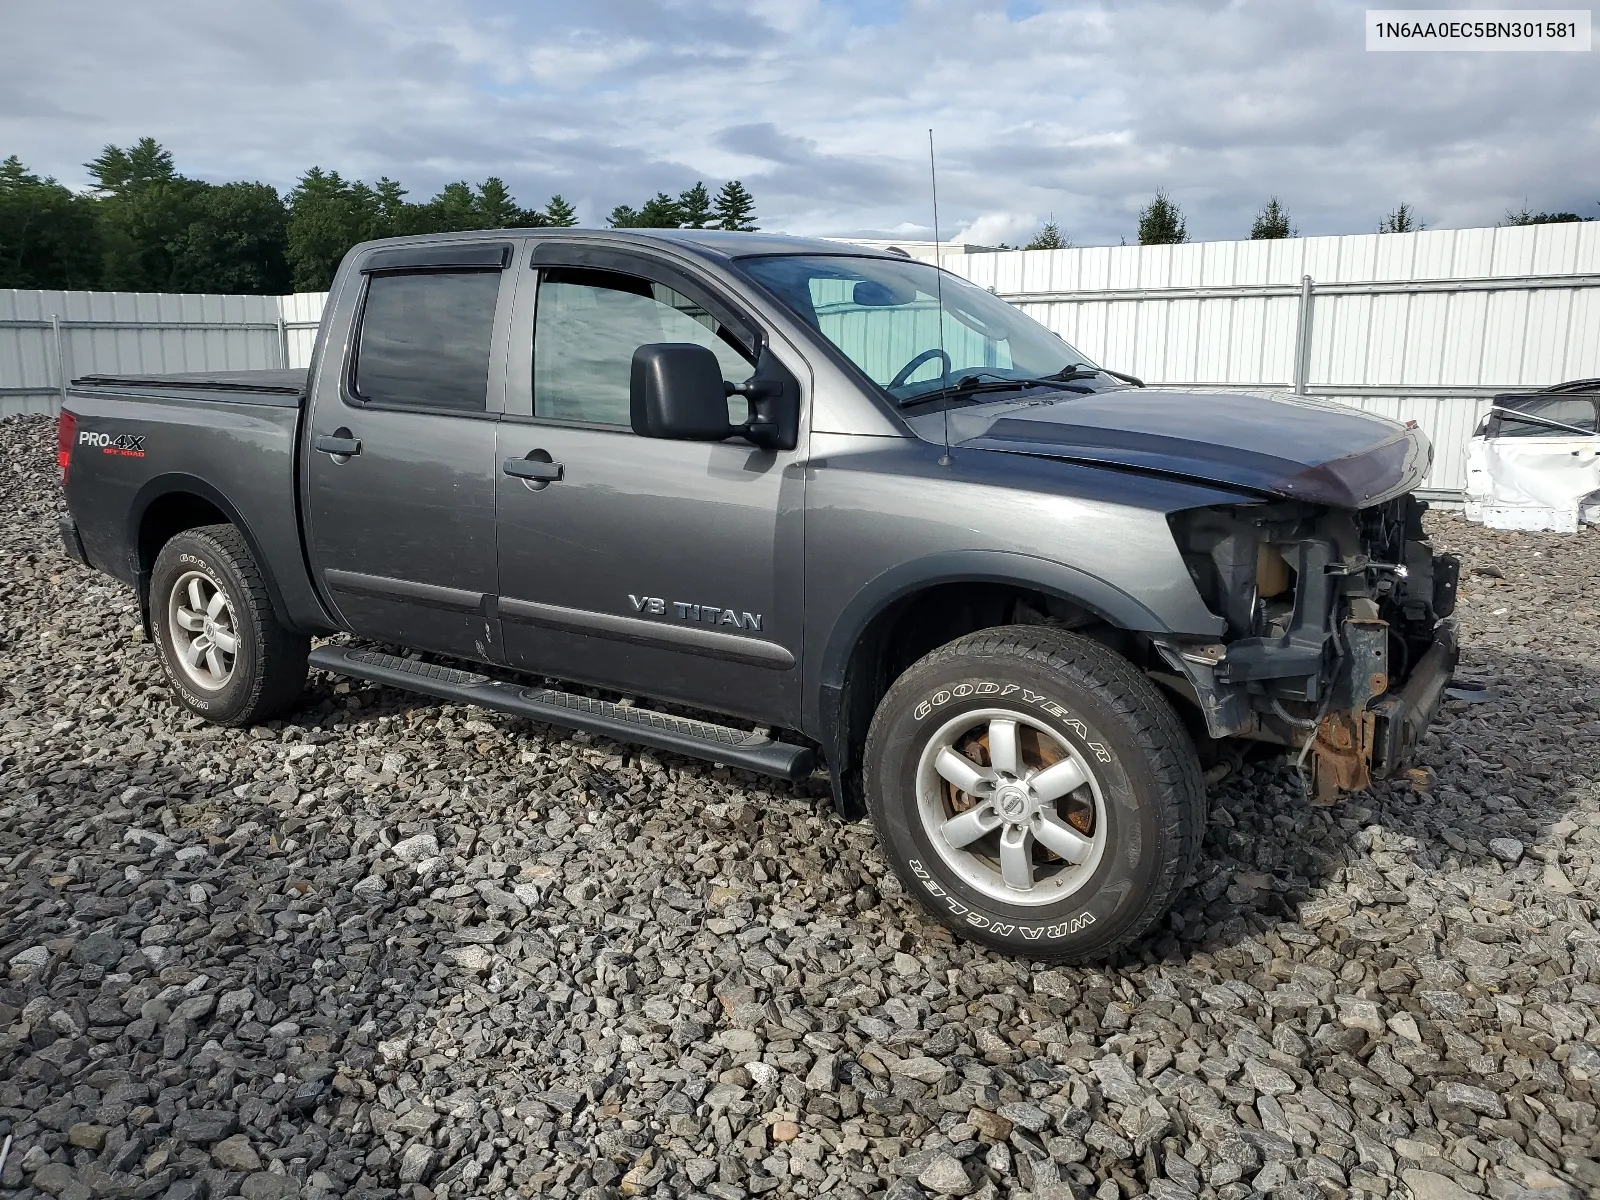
735	208
660	212
143	209
1272	222
455	208
327	216
14	175
694	207
391	201
559	213
1048	238
495	205
1401	220
624	216
1162	224
118	170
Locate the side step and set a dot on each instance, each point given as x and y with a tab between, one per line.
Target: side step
680	735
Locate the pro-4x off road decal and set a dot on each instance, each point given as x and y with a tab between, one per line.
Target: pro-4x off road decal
128	445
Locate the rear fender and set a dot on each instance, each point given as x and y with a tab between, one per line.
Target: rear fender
179	483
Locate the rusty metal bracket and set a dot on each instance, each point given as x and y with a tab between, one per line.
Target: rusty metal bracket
1341	756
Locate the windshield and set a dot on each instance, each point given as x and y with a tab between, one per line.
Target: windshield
884	315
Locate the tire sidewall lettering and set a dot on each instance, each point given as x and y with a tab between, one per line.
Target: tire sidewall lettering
989	688
995	925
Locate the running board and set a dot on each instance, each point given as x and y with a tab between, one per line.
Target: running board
680	735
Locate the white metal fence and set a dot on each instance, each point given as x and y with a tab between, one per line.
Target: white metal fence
1421	327
48	338
1418	326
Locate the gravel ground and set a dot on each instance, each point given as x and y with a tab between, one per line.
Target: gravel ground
397	948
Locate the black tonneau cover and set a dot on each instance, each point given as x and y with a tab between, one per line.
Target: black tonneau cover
284	382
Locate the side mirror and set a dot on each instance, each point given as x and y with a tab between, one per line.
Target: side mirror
872	293
676	391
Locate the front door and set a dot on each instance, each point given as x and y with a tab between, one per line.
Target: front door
665	567
401	473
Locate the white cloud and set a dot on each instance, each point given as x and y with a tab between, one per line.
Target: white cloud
579	59
1080	111
991	229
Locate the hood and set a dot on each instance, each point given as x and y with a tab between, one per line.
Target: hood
1277	443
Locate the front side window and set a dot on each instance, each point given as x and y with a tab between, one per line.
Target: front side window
424	340
588	323
1555	417
885	315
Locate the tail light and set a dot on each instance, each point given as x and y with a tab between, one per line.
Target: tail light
66	434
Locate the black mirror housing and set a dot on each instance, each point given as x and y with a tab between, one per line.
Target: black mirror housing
676	391
870	293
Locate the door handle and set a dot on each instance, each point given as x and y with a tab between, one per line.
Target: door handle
533	468
334	444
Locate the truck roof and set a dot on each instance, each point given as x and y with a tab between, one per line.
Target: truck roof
729	244
708	243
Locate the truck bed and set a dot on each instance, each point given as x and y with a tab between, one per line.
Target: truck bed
203	447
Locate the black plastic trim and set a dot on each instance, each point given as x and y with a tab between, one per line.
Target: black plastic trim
713	644
429	595
440	256
270	382
754	751
70	539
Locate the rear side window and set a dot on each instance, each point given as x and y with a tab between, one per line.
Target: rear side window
424	340
1555	417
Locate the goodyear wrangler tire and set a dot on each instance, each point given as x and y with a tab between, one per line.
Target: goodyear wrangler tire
227	657
1035	792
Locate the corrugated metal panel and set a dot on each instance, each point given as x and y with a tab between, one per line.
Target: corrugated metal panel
109	332
301	314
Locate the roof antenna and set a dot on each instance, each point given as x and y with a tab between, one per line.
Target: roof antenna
938	266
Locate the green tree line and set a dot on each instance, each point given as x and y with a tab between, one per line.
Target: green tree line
144	227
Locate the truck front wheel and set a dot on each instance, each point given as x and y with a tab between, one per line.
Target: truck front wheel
227	657
1035	792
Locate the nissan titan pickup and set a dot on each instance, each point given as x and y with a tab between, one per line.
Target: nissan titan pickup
786	505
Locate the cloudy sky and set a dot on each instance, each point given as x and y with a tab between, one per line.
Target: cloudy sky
821	107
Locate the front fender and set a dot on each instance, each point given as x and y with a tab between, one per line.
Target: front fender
828	714
1073	584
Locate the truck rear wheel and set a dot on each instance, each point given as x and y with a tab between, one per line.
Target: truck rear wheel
227	657
1035	792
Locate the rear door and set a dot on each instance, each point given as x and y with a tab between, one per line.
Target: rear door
669	568
401	473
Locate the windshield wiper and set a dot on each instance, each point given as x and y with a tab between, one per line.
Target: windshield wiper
972	384
1075	371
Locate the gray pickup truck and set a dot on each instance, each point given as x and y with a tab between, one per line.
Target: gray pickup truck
842	505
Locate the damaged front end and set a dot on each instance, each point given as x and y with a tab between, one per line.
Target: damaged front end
1339	643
